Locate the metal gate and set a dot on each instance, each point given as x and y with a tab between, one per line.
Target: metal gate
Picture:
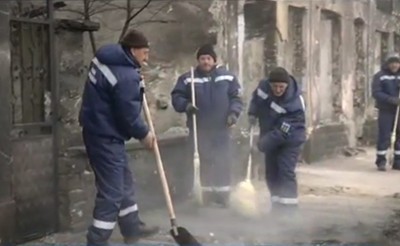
34	124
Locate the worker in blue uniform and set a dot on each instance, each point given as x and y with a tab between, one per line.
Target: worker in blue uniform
385	90
279	107
110	115
218	106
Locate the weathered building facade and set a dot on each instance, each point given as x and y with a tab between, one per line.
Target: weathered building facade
332	48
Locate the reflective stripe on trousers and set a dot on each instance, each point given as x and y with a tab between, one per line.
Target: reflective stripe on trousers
110	225
283	200
217	189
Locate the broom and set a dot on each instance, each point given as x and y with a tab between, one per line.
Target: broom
244	198
197	189
393	137
180	234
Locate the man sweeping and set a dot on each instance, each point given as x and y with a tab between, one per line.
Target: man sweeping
110	115
218	106
279	107
385	90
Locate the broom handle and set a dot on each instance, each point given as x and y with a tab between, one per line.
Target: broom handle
249	163
196	150
396	119
160	167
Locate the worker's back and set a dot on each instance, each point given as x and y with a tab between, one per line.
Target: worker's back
101	114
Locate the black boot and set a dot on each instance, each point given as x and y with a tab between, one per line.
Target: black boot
382	168
380	163
143	231
396	166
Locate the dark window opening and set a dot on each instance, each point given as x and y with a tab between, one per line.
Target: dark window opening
385	6
30	83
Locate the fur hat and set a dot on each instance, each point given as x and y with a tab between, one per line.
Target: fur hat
134	39
207	49
279	74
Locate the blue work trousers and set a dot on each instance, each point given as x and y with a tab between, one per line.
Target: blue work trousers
215	151
280	166
385	129
115	200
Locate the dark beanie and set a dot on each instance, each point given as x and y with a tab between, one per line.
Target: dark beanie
207	49
393	58
279	74
134	39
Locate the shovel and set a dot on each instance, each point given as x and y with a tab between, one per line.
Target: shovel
180	234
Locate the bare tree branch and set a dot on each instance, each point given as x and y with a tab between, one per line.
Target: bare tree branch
94	10
87	4
81	13
154	21
129	8
130	18
160	9
99	11
111	4
91	3
150	20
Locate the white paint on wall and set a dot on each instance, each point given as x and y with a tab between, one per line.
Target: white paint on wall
325	78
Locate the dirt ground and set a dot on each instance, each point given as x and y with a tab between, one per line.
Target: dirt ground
343	200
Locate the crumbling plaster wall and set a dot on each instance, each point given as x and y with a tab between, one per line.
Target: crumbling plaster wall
350	106
187	25
7	201
333	48
336	87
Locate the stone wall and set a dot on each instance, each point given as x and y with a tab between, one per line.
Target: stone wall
7	203
72	76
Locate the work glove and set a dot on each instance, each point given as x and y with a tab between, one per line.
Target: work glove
252	120
395	100
191	109
232	119
262	143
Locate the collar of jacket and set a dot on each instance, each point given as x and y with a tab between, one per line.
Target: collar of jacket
212	72
132	58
